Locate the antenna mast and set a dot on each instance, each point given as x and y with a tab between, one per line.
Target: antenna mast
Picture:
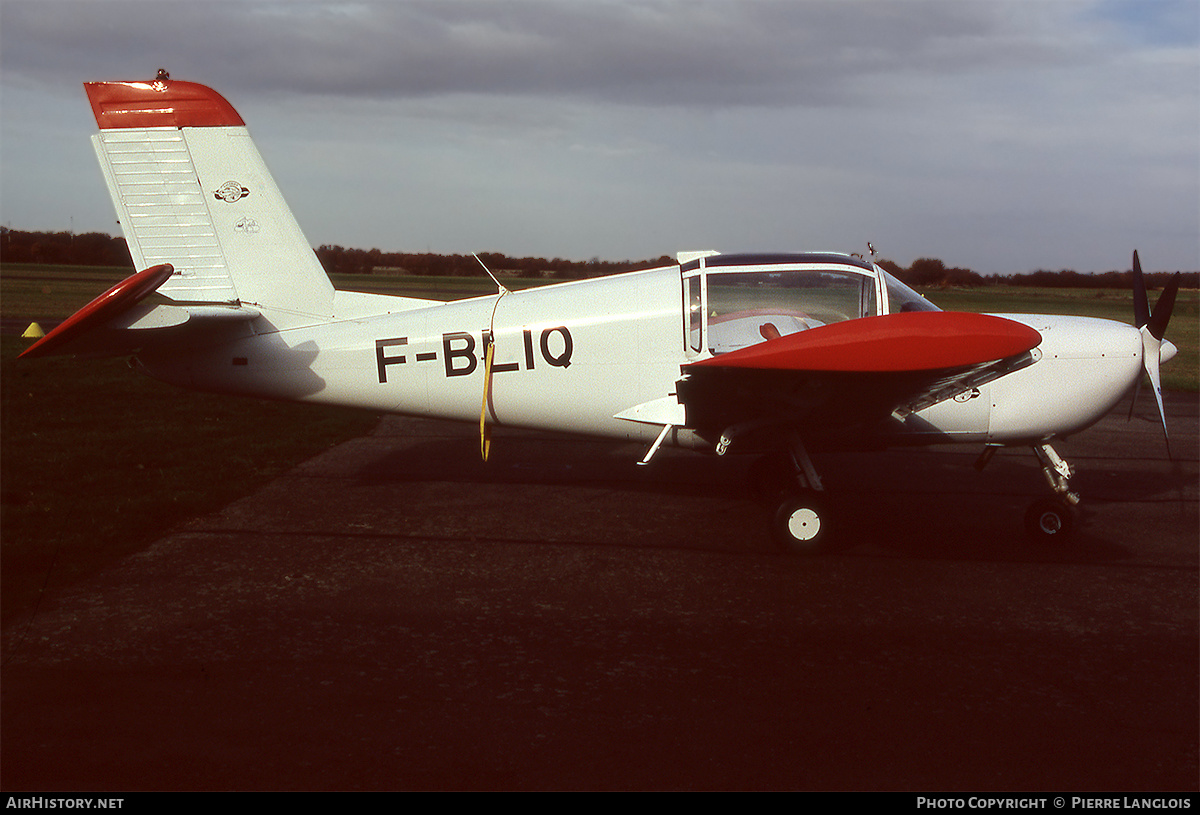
499	285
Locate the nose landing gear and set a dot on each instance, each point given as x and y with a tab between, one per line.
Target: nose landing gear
1053	519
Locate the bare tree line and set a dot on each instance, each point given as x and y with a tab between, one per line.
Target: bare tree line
99	249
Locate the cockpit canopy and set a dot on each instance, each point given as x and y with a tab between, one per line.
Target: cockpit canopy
732	301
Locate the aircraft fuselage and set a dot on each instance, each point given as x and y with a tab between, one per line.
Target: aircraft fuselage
574	356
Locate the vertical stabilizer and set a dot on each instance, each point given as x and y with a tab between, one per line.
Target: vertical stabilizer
191	190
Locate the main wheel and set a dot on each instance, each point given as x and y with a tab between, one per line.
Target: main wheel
1050	519
802	523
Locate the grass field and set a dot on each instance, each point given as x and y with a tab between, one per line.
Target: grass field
98	461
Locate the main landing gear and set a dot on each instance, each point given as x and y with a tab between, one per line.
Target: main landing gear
803	521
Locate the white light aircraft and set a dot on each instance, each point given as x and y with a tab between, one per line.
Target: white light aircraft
770	353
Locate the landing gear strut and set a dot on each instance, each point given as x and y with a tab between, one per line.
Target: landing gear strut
1047	519
1053	519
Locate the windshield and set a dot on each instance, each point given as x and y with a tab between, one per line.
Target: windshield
902	298
745	308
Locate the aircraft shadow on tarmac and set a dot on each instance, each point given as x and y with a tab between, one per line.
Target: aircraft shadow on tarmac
928	502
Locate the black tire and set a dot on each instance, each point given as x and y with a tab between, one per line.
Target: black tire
1050	519
803	523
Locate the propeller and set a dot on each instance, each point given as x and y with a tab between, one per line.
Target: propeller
1153	327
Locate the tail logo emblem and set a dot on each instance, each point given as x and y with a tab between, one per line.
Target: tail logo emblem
231	191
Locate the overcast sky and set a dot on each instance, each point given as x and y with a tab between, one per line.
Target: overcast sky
1000	135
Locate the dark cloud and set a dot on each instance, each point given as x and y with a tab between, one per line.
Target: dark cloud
995	134
645	53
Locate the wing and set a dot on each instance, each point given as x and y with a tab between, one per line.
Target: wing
852	372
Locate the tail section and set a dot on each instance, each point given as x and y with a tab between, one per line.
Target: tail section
191	190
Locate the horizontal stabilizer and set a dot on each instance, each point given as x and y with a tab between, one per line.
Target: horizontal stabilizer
101	311
123	321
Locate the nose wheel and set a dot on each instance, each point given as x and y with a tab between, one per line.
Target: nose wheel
1051	520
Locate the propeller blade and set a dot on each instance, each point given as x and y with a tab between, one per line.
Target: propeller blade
1137	389
1162	309
1141	305
1151	350
1153	327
